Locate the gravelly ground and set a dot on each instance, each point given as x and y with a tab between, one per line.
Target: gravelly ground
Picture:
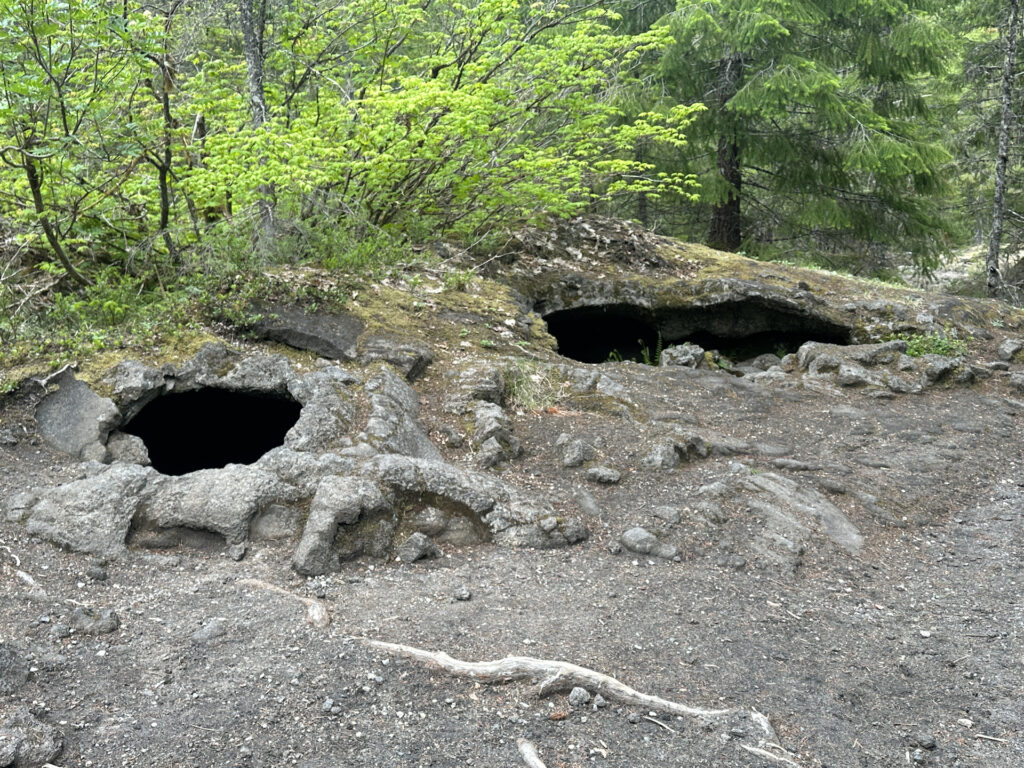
859	660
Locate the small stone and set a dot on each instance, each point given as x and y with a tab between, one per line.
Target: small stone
1010	348
237	551
850	375
210	631
643	542
919	756
430	521
548	523
662	456
966	722
576	452
633	718
925	633
327	705
615	548
604	475
926	741
737	733
639	540
600	702
417	547
462	594
89	622
579	697
670	515
96	572
13	670
60	631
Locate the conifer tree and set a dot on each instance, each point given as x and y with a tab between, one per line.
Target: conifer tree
817	128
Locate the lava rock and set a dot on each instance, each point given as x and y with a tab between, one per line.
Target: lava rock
210	631
430	521
579	697
90	622
417	547
1010	348
92	514
688	355
662	456
462	594
13	670
604	475
76	420
26	741
127	449
576	452
332	336
410	357
643	542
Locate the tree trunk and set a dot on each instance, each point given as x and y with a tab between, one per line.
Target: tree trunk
253	26
994	281
35	185
726	231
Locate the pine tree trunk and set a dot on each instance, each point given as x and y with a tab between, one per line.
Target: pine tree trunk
994	277
253	25
726	230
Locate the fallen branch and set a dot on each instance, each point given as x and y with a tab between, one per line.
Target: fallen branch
316	613
555	675
529	753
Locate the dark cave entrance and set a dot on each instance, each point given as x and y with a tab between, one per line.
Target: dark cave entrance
739	330
603	334
211	428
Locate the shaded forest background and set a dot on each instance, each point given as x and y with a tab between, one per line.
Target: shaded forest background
157	158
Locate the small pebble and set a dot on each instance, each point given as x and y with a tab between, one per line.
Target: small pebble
600	702
579	697
633	718
463	594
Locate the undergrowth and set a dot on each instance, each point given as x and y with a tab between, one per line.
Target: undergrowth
216	283
937	343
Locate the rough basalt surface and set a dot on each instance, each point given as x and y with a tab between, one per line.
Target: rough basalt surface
331	473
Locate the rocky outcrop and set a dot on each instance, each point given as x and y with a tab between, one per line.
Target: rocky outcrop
342	488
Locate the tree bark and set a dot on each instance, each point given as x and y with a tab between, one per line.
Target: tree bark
35	185
726	232
726	229
994	281
253	26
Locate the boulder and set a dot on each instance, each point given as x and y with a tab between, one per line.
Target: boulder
26	741
220	500
394	425
417	547
330	335
93	514
410	357
76	420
